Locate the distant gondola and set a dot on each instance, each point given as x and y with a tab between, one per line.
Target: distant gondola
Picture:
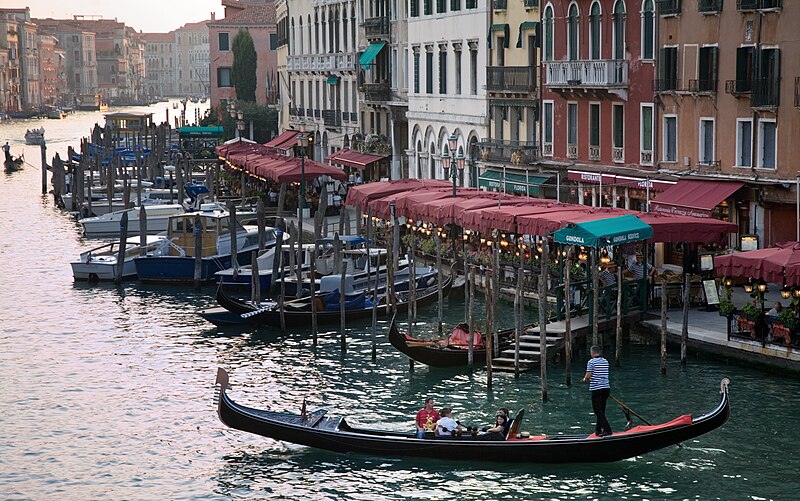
315	429
439	353
14	163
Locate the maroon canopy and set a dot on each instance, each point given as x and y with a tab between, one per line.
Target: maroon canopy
545	222
380	206
359	196
505	218
673	228
468	215
292	171
772	265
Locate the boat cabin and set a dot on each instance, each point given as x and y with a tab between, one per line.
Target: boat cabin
215	230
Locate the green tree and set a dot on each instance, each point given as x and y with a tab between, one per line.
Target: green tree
243	72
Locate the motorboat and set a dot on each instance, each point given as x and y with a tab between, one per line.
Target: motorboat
56	113
109	224
34	136
243	276
208	230
100	263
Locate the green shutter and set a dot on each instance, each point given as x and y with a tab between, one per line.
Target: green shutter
714	56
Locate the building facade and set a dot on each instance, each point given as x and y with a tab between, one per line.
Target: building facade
258	18
192	53
10	71
447	61
161	65
52	71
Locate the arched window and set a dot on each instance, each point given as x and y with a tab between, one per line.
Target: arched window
572	33
344	30
548	33
648	30
310	35
316	34
594	31
292	40
619	30
301	35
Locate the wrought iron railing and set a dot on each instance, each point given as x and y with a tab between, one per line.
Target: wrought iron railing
666	84
377	92
332	118
738	86
517	152
669	7
709	6
376	27
765	93
700	85
510	78
500	4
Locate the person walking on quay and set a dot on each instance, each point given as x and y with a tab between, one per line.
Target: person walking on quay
597	377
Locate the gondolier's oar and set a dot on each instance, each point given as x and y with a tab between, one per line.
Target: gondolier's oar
627	410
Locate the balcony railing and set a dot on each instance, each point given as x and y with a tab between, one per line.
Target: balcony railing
547	149
587	73
666	85
738	86
332	118
745	5
520	152
531	4
322	62
354	117
377	92
500	4
572	151
766	92
646	157
510	78
376	27
618	154
703	86
594	152
709	6
669	7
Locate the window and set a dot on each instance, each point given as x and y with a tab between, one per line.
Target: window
429	72
594	131
224	42
416	71
472	4
273	42
403	68
547	128
668	69
427	5
442	72
745	57
707	70
766	88
744	142
501	51
548	33
670	152
441	6
414	8
572	123
572	33
473	72
767	144
594	31
224	77
618	127
455	5
706	151
457	72
619	30
646	133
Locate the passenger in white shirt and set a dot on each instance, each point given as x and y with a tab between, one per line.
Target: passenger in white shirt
446	425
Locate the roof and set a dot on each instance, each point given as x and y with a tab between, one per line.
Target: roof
159	37
252	14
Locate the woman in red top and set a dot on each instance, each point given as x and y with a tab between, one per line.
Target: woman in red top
426	418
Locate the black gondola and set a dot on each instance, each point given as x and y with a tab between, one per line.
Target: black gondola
14	164
297	313
438	353
316	429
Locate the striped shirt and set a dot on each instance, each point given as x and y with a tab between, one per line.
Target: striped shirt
598	366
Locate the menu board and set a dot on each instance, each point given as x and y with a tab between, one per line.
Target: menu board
710	288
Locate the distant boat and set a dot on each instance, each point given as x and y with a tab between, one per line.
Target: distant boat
100	263
14	163
56	113
108	224
34	136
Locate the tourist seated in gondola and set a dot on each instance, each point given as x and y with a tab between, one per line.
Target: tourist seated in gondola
459	337
427	417
447	426
500	429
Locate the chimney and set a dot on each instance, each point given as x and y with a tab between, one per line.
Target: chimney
213	16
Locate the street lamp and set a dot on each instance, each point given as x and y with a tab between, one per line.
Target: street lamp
302	145
456	161
239	124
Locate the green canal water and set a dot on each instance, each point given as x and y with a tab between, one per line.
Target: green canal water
107	394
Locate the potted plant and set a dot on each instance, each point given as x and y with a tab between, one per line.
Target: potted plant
726	308
751	311
788	319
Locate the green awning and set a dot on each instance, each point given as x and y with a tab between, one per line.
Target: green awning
498	27
370	53
210	131
514	183
333	80
526	25
605	232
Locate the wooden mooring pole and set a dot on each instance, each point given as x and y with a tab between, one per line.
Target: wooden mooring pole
567	319
664	304
618	337
440	299
123	242
312	273
198	252
469	271
543	318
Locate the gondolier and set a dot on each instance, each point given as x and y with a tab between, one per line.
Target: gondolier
597	377
7	151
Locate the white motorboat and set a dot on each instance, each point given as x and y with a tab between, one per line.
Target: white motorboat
100	263
108	224
34	136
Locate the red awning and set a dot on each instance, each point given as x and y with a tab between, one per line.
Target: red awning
292	170
353	158
773	265
505	218
619	180
285	141
690	197
405	199
669	228
360	195
545	222
467	215
440	211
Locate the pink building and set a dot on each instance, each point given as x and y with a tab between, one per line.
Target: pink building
259	19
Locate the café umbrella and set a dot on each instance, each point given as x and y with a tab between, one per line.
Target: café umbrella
605	232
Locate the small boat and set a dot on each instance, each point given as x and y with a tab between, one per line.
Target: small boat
34	136
56	113
317	429
14	164
175	106
297	312
100	263
108	224
244	275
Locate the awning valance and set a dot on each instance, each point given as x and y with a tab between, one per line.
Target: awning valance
285	141
604	232
499	27
526	25
370	53
353	158
619	181
691	197
512	183
332	80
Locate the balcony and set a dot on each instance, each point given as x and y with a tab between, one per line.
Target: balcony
709	6
572	151
322	62
510	79
594	152
499	4
587	73
530	4
377	28
738	87
646	157
379	92
667	85
618	154
669	7
708	86
751	5
517	152
332	118
765	93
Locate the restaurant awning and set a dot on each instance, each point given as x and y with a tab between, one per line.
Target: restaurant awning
353	158
360	195
775	265
619	180
370	53
285	141
292	170
512	183
604	232
670	228
691	197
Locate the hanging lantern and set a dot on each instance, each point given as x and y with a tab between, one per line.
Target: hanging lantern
727	281
748	287
762	286
786	292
